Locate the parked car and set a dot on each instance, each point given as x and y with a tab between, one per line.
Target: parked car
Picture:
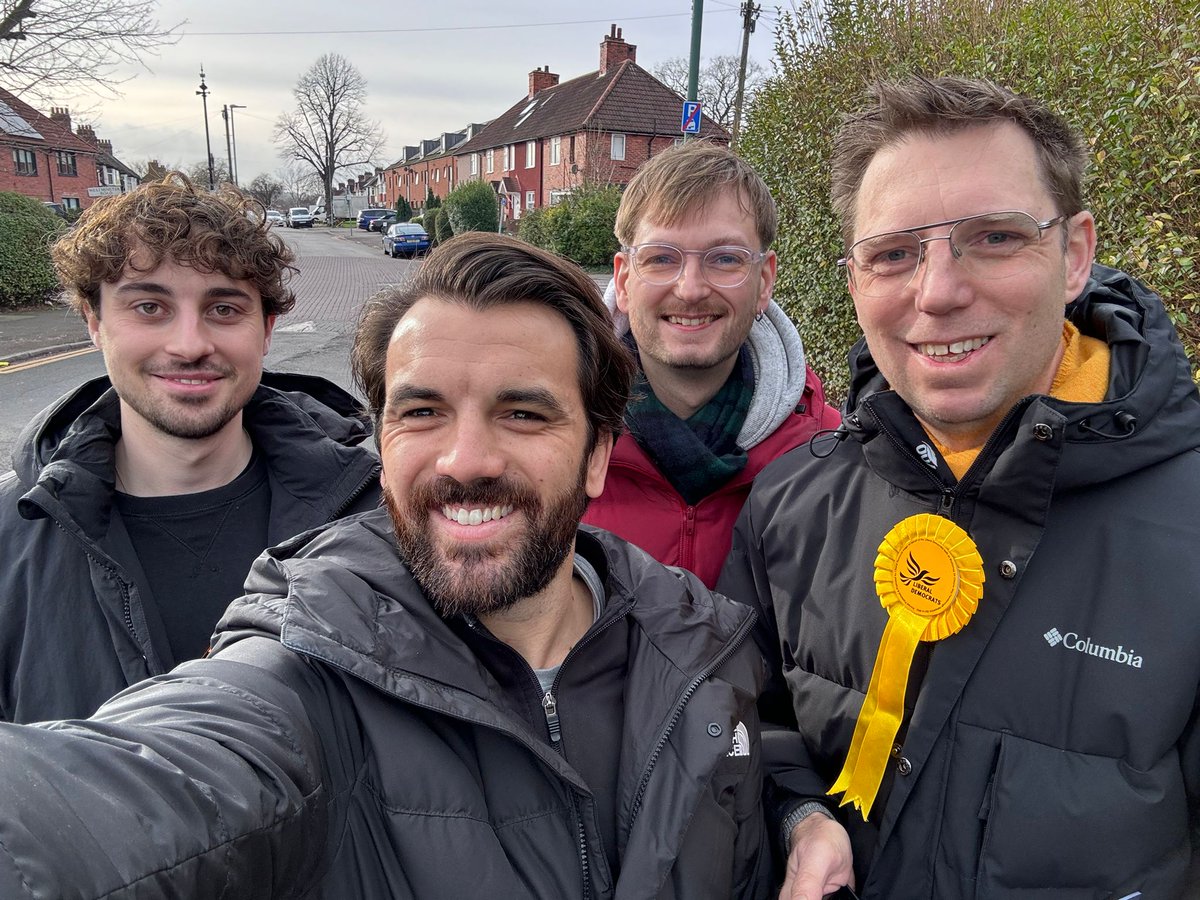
366	215
275	217
405	238
384	222
299	217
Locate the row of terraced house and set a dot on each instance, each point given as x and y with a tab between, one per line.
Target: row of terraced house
43	158
594	129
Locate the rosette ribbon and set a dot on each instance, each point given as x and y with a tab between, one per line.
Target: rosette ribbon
929	578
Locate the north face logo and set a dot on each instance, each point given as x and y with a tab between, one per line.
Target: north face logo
741	741
917	575
1053	638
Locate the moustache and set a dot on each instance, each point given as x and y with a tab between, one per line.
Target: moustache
500	491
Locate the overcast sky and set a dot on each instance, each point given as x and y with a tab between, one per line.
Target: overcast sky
430	66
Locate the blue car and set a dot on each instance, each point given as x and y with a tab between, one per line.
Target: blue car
366	215
405	238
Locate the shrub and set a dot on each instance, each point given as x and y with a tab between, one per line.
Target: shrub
404	212
580	227
1126	73
472	206
27	228
442	226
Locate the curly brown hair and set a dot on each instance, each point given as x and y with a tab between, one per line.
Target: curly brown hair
479	271
224	232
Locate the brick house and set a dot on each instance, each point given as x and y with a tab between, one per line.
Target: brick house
42	158
110	171
597	129
424	167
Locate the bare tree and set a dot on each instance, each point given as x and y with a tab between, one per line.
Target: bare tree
265	189
49	45
198	172
329	131
717	84
299	184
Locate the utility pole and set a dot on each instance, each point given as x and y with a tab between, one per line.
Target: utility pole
203	92
749	16
228	146
233	130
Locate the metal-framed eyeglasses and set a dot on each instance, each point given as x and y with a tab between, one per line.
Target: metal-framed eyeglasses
990	245
724	267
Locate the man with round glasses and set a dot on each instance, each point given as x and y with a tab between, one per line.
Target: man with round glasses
980	602
722	385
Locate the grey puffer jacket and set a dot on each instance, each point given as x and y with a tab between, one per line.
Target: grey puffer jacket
73	626
1051	748
343	741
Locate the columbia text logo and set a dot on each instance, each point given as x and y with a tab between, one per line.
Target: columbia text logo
1072	641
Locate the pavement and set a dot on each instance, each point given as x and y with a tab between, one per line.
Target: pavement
329	289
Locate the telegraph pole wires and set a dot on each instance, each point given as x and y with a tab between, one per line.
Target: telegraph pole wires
750	12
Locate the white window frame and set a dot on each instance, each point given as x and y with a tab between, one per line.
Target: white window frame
491	161
555	150
474	163
529	198
617	140
530	154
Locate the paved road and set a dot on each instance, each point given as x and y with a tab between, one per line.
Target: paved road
337	272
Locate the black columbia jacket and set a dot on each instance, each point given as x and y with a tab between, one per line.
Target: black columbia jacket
73	626
344	742
1050	748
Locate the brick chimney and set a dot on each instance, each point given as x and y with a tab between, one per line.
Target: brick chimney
61	115
614	51
540	79
106	146
86	133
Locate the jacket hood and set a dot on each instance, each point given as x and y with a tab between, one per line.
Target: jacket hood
780	370
342	594
85	422
1151	410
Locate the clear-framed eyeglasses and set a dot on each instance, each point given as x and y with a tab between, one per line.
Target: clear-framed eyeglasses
991	245
726	267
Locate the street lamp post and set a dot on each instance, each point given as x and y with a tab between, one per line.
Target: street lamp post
225	115
233	128
203	92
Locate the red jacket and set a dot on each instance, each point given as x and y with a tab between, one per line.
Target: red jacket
640	505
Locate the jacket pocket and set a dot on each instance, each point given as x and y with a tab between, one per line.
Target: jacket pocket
1075	825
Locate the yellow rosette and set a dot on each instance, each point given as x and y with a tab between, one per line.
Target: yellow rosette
929	578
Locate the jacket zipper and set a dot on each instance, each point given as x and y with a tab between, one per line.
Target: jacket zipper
735	642
949	495
357	492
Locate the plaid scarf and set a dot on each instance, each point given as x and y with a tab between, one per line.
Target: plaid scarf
699	454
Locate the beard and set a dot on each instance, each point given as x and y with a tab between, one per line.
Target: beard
485	578
183	417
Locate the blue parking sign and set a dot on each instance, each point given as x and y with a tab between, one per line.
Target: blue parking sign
691	117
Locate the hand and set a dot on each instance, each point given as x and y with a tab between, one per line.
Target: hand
820	861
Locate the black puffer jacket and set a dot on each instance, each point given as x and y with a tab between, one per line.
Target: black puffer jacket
1053	747
73	628
344	742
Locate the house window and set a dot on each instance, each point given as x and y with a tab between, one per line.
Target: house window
491	161
571	154
474	163
530	155
70	202
66	163
529	199
25	162
437	174
618	147
555	150
508	157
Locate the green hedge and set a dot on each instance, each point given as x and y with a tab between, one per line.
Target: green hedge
27	228
580	227
442	225
473	206
1126	73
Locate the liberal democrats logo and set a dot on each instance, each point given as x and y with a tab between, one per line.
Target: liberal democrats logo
917	575
1072	641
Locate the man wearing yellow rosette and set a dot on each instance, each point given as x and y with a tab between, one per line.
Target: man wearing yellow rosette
981	598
